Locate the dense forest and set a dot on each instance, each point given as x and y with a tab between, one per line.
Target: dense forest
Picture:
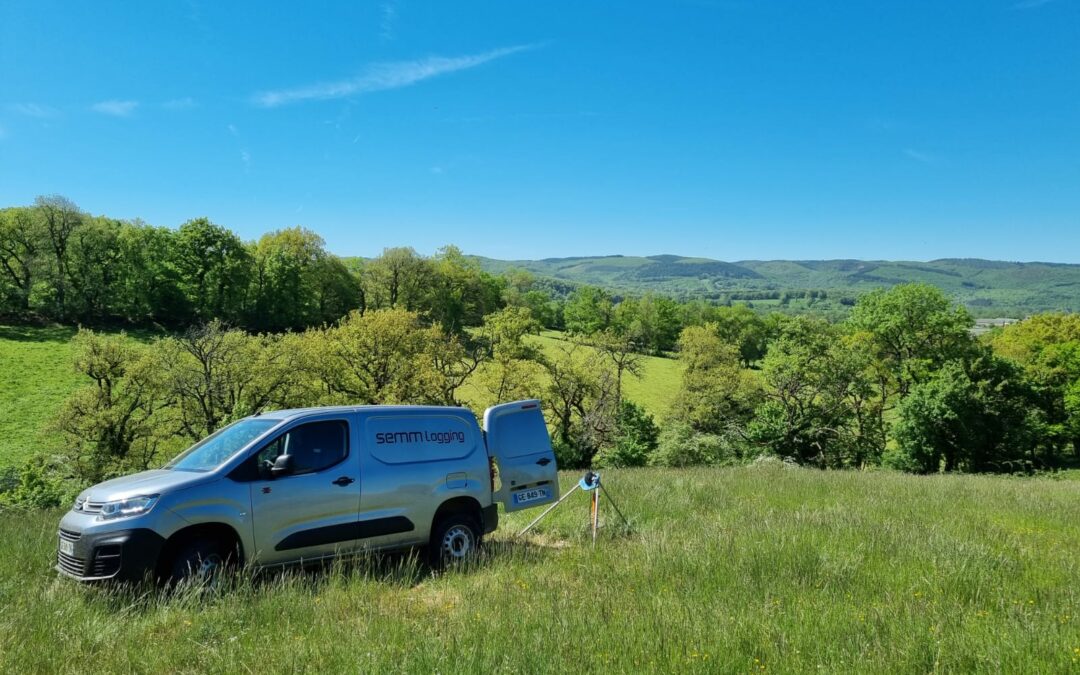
900	381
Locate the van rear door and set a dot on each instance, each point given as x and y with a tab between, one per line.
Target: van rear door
517	438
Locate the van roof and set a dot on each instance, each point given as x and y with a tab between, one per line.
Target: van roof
292	413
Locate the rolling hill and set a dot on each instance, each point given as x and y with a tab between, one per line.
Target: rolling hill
988	287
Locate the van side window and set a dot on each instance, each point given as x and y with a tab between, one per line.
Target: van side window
314	446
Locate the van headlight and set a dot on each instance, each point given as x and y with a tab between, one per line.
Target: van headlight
125	508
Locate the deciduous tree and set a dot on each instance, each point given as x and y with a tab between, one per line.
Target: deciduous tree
214	267
61	218
111	425
588	310
215	375
21	243
968	416
915	328
717	396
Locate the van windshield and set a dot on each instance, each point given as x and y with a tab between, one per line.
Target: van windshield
215	449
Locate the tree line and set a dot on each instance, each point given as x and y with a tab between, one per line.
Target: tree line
58	263
143	402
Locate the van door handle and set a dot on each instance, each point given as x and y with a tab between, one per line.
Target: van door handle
543	461
343	481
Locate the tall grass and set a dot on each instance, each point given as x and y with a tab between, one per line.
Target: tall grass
759	568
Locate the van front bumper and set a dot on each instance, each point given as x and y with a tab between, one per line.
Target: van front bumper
123	555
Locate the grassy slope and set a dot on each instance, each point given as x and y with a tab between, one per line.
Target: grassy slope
35	378
654	389
36	375
760	568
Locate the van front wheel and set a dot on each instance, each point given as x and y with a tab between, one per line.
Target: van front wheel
455	539
199	561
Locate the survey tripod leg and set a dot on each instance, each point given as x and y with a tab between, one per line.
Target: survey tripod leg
612	501
549	509
595	514
591	482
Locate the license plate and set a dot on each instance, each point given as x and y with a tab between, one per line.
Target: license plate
533	495
67	547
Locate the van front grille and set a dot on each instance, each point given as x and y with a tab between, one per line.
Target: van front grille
84	506
71	564
69	535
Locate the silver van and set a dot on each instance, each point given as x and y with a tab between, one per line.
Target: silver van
300	485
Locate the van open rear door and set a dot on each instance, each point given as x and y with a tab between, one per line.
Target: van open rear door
518	440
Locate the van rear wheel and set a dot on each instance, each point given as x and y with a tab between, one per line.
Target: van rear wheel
455	539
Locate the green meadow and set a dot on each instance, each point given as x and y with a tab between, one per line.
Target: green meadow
763	568
36	375
654	389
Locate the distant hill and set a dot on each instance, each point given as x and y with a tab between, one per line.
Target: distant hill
988	287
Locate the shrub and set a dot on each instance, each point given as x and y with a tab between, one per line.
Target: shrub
568	455
626	452
679	445
40	483
636	437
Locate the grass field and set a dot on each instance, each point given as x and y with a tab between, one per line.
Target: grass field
762	568
655	389
35	377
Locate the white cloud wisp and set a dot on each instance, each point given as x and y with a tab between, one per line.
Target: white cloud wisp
384	76
34	110
115	108
920	156
179	103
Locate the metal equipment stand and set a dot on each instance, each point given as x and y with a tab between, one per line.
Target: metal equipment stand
589	482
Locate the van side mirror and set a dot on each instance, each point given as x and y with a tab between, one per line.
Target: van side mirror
283	466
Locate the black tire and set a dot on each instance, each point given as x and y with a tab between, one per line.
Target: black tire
199	561
455	539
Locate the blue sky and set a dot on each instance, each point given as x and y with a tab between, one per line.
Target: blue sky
730	129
